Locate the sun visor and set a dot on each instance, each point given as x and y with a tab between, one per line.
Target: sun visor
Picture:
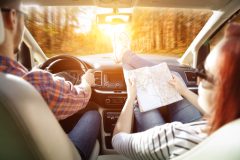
1	29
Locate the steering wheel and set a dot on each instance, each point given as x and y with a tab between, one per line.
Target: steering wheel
62	64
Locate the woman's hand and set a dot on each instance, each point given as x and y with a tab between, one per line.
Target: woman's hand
131	89
178	84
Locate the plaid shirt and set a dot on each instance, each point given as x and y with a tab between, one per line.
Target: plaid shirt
63	98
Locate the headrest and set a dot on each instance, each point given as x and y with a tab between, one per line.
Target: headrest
1	29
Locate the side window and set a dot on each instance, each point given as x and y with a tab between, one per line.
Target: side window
219	35
206	48
24	56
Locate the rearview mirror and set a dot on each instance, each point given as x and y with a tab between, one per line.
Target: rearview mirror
114	19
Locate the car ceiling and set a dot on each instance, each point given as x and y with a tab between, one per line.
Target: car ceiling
201	4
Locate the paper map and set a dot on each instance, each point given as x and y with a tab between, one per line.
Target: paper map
153	89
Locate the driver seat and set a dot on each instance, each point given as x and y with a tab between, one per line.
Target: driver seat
28	129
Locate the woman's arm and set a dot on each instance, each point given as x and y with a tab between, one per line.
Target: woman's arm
193	98
125	120
182	89
160	142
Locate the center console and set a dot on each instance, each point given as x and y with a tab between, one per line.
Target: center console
109	119
109	93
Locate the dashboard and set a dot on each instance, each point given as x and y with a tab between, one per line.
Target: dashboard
110	89
109	94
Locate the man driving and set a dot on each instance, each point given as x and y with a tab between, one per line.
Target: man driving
63	98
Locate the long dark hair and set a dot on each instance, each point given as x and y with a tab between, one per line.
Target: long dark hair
227	95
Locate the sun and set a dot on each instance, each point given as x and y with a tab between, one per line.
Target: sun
119	35
113	30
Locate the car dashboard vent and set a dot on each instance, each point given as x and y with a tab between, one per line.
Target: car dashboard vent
98	78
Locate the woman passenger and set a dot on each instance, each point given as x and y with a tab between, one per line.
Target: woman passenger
218	100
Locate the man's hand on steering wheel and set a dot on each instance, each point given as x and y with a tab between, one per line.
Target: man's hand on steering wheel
61	64
88	78
68	77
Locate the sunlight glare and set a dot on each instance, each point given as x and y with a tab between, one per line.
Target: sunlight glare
85	17
115	32
96	65
84	24
112	30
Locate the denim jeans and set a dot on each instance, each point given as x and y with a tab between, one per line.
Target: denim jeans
182	111
85	133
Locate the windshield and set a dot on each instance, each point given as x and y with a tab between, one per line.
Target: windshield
75	30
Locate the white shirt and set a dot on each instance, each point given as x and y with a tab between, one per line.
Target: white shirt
161	142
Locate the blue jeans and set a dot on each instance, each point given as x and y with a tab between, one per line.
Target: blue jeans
85	133
182	111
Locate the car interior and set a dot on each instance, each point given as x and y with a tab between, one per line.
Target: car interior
29	129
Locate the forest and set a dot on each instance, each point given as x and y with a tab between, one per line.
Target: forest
74	30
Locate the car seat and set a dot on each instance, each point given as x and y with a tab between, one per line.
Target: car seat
28	128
